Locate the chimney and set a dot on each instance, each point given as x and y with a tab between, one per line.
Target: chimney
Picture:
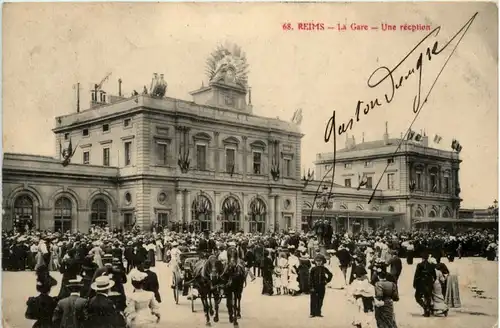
386	134
425	140
119	87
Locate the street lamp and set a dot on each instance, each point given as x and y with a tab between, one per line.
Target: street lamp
322	226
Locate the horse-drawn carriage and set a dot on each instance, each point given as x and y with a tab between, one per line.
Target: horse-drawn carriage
183	275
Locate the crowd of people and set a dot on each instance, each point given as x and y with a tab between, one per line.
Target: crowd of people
367	266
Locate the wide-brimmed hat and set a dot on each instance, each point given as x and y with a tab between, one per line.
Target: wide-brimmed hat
102	283
175	243
138	275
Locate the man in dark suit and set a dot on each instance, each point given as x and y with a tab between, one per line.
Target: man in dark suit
319	277
206	245
71	311
102	312
151	281
425	275
70	268
396	266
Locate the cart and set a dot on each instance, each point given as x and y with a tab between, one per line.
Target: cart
183	273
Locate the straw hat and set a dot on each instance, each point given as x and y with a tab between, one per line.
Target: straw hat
102	283
138	275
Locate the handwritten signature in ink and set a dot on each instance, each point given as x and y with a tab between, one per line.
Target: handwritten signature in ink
394	85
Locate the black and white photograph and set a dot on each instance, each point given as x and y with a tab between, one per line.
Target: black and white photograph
252	164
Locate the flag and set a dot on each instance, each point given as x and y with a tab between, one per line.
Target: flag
437	138
456	146
362	181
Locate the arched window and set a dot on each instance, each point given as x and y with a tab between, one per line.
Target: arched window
62	214
257	216
231	215
23	212
99	213
419	213
432	214
201	210
446	213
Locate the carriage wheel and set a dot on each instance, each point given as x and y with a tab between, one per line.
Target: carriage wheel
175	289
192	298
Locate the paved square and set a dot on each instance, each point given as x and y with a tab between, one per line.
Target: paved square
287	311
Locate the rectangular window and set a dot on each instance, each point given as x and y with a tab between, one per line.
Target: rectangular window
348	165
257	162
86	157
105	156
85	132
128	219
201	157
390	181
390	161
126	122
369	182
287	167
418	183
128	153
105	127
161	153
446	185
66	136
163	220
347	182
433	181
230	159
368	164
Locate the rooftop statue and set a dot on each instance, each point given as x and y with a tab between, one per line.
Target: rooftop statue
228	64
158	86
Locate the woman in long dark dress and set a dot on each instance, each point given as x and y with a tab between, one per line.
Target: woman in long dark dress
267	273
304	267
386	292
41	307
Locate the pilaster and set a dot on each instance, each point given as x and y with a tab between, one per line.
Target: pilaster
216	223
280	220
272	213
178	206
245	157
187	207
244	222
216	152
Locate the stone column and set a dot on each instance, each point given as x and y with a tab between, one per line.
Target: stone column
280	220
244	222
216	153
272	212
215	222
187	207
178	207
245	158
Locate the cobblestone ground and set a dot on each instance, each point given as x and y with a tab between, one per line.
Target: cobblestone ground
478	287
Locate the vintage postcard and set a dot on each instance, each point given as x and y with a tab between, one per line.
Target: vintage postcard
250	165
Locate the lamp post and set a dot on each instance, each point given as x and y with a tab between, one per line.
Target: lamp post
322	226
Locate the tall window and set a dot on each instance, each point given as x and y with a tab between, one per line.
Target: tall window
368	164
433	180
390	181
369	182
105	156
62	215
230	159
257	162
287	167
231	215
86	157
347	182
257	216
201	157
446	184
23	211
99	215
418	176
348	165
128	219
163	219
161	153
201	210
128	153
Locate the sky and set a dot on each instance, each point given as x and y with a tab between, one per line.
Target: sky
50	47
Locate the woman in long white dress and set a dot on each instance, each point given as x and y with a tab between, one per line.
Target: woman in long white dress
362	294
142	308
338	280
438	303
98	253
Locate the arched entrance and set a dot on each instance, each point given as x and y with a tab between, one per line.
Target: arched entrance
231	212
201	210
63	214
24	209
99	216
257	216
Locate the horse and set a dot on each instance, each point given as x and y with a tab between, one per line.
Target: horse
207	279
235	277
